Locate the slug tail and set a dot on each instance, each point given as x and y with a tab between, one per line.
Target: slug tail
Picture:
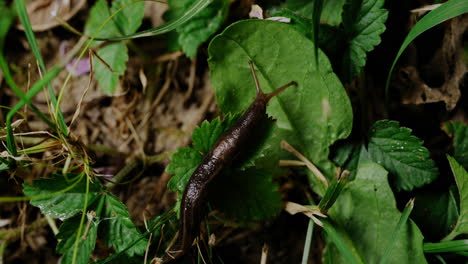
260	92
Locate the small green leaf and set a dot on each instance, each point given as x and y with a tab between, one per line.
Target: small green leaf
309	116
118	229
97	16
366	210
183	164
60	198
461	178
246	194
67	238
201	26
129	19
459	133
363	22
115	55
402	154
205	136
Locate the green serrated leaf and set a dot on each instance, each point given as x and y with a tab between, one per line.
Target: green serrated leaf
183	164
363	22
310	116
129	19
97	15
115	55
60	198
402	154
205	136
246	194
461	178
459	132
366	210
67	238
201	26
118	229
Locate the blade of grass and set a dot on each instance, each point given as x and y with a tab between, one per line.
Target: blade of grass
36	88
308	242
448	10
342	243
23	15
403	219
333	191
7	17
447	246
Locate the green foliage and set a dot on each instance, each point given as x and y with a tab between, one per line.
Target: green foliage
435	212
60	198
461	178
366	211
129	19
118	229
86	241
247	194
310	116
402	154
205	136
200	27
459	132
363	22
114	54
183	164
447	10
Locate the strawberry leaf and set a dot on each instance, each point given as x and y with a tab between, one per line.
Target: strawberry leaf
201	26
402	154
118	229
363	22
86	242
60	198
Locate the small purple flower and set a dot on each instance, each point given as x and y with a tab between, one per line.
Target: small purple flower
82	67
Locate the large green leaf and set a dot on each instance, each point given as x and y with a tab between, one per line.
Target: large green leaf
447	10
201	26
60	198
310	116
118	229
86	241
366	210
461	177
459	132
363	22
402	154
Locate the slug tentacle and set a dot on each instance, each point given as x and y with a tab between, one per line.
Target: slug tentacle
228	146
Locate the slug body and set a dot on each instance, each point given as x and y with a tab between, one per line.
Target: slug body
229	145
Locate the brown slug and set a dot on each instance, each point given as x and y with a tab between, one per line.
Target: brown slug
228	146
